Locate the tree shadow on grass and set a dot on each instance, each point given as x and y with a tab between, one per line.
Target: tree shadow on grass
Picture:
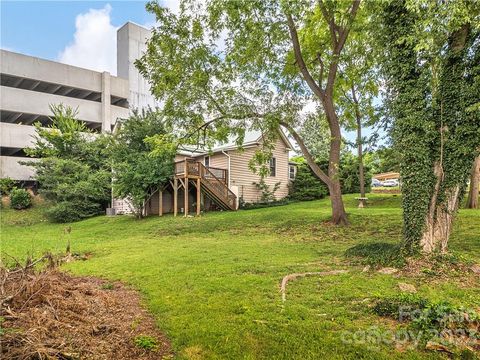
377	254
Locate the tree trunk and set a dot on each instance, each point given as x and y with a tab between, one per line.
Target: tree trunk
339	216
440	216
332	180
441	213
472	200
361	175
439	222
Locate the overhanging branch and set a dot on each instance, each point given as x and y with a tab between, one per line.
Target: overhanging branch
310	160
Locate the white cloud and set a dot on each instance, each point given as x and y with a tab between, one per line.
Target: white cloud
95	42
173	5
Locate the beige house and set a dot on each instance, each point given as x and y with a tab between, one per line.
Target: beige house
221	178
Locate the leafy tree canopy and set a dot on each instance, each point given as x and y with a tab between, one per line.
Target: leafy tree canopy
73	170
224	67
431	68
138	170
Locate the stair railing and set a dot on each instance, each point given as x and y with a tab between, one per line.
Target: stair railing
218	186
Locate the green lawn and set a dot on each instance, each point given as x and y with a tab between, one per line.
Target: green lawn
213	282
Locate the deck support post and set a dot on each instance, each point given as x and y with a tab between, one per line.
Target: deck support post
160	202
198	196
186	197
175	196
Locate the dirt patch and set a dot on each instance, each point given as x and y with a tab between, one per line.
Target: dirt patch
52	315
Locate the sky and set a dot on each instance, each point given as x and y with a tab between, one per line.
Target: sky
80	33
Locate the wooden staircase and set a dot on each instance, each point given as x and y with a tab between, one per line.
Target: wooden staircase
213	182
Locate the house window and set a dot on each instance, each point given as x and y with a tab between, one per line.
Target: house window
207	161
273	167
291	172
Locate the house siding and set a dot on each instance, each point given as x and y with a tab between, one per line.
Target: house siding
180	157
243	178
218	160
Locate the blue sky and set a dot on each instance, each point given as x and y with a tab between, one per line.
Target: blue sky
45	28
81	33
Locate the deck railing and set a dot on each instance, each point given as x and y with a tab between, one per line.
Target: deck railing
193	169
215	179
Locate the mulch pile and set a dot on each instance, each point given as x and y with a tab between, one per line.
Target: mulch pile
52	315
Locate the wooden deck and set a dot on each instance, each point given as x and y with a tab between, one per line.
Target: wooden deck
212	182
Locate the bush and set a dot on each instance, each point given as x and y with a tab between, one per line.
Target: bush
72	167
400	307
70	211
6	186
261	205
306	185
439	322
20	199
350	175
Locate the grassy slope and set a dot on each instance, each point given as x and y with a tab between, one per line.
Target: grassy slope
213	281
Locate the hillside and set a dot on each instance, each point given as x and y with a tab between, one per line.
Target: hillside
213	282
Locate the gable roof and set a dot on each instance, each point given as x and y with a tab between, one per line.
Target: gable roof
252	138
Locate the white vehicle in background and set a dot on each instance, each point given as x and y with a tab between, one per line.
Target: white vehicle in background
390	183
376	183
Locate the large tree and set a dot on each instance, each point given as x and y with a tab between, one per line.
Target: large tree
72	166
139	173
432	68
223	67
358	85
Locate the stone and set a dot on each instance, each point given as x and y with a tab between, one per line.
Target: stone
409	288
475	268
388	270
366	268
431	345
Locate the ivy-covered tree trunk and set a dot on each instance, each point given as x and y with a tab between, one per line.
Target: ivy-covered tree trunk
440	216
434	131
449	181
472	200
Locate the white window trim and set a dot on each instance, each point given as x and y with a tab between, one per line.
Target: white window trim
275	167
290	167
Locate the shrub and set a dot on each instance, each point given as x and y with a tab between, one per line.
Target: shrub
250	206
350	175
20	199
306	185
72	167
268	194
70	211
6	186
443	315
431	320
400	307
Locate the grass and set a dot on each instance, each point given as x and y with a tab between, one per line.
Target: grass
213	282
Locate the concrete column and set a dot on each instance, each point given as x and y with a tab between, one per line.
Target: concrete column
106	103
